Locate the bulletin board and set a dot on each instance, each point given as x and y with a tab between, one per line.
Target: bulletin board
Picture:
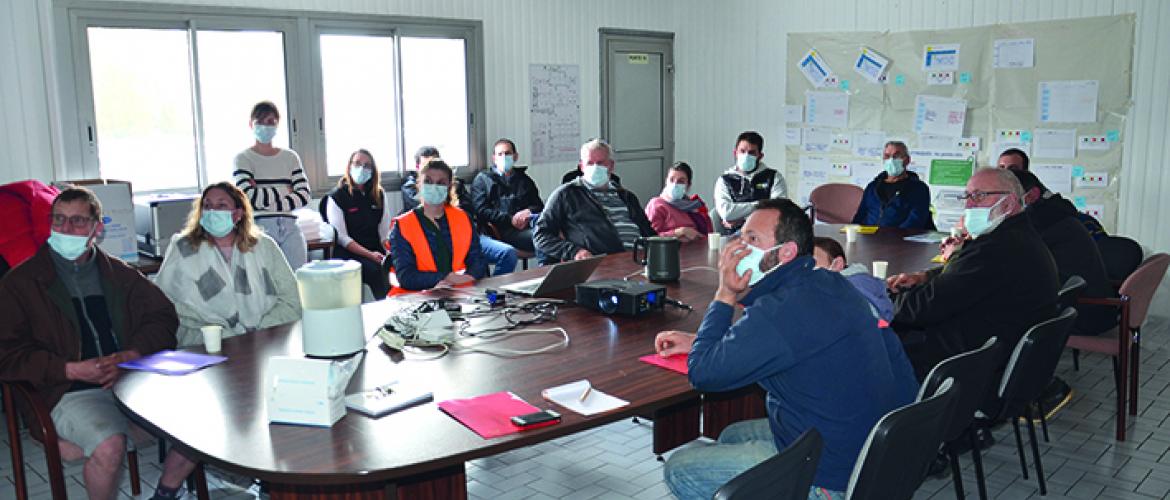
1057	89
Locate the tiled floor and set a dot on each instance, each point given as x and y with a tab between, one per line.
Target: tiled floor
1082	461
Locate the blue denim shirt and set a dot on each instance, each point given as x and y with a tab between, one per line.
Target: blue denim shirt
810	339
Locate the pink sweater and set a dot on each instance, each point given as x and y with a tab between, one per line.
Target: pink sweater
664	218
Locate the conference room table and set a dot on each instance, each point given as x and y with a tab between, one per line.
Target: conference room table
218	415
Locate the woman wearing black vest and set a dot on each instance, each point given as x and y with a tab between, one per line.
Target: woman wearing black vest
359	210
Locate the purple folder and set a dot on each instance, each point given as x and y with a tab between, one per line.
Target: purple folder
172	362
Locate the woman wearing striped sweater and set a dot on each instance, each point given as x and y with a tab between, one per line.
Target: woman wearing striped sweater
275	183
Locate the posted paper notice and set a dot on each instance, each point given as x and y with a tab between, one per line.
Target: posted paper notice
1054	143
940	57
1014	53
939	115
815	69
1070	101
871	65
827	109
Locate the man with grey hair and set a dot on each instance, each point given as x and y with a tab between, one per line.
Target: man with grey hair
576	171
590	215
896	197
1000	283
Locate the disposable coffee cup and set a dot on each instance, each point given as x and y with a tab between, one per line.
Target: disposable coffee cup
851	233
212	337
879	268
713	240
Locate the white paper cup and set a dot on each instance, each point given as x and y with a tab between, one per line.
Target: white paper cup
212	337
879	268
851	233
713	240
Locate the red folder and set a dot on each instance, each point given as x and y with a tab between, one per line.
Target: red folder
677	363
490	415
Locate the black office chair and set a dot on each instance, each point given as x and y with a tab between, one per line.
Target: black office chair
786	476
1121	255
901	446
1029	369
1071	291
975	372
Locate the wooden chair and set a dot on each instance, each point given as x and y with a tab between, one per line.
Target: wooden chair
1123	342
44	423
836	203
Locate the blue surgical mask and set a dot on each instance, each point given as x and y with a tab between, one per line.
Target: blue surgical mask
68	246
264	133
895	166
978	220
675	191
751	261
596	175
360	174
434	194
745	162
217	222
504	164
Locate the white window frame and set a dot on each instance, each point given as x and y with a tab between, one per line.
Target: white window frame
305	114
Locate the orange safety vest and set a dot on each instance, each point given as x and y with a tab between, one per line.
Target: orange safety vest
461	234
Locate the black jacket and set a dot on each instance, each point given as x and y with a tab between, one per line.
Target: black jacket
1075	253
1000	284
410	194
573	220
497	198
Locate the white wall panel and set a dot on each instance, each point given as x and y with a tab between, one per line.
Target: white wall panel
25	150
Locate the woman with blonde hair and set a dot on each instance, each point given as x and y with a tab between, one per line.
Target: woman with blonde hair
359	209
221	269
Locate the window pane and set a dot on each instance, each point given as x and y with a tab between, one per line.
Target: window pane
238	69
357	79
142	99
434	97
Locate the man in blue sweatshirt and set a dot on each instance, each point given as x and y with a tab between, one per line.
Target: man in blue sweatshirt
807	336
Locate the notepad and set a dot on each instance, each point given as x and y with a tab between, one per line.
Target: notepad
677	363
594	402
172	362
490	415
387	399
863	229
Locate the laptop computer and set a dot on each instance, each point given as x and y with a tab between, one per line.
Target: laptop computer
559	277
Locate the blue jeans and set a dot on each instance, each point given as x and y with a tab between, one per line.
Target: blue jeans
283	229
499	253
697	472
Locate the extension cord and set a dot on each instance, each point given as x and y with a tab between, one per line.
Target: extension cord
391	340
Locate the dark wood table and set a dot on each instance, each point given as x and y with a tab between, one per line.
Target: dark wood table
218	415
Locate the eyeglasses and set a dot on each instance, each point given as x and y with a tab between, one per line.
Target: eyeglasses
59	220
979	196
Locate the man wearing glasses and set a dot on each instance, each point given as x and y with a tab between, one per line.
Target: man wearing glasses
1000	283
71	314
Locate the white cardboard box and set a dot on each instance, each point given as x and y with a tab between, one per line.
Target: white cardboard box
117	199
302	391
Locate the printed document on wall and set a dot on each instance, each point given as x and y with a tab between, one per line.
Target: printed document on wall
1057	178
793	113
1069	101
1054	143
940	57
871	65
815	69
816	140
1014	53
827	109
555	112
869	143
939	115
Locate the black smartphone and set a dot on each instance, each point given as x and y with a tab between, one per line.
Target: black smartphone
539	417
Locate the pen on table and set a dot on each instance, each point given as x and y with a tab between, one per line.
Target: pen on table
585	393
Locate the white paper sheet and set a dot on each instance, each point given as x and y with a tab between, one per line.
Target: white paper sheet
939	115
816	140
839	169
569	396
940	78
792	136
1096	211
1092	143
940	57
793	113
1056	177
871	65
863	172
938	142
968	144
1014	53
1054	143
1068	101
841	142
999	147
869	143
815	69
827	109
1093	180
814	171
